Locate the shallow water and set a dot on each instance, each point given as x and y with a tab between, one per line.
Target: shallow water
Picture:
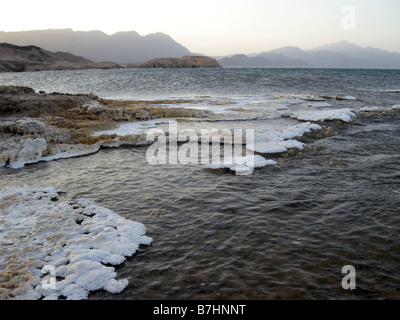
283	232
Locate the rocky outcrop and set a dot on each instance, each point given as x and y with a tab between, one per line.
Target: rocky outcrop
184	62
32	58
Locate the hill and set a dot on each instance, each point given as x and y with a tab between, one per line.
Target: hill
261	60
33	58
184	62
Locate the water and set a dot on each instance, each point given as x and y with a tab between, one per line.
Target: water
156	83
283	232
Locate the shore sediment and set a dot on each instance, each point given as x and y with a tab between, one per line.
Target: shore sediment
46	126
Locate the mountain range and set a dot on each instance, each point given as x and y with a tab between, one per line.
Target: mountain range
334	55
129	47
121	47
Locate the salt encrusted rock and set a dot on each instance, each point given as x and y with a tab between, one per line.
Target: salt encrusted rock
142	115
17	154
279	141
23	126
29	141
73	240
29	126
95	110
345	115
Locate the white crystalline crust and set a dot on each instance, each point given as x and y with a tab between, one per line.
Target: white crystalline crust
345	115
29	141
281	140
78	239
242	164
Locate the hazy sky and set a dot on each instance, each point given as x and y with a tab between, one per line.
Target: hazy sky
219	27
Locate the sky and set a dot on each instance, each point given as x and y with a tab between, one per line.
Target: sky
220	27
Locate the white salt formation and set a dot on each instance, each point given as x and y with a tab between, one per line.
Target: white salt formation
75	240
30	141
241	164
345	115
281	140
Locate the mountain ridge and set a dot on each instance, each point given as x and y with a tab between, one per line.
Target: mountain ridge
342	54
129	47
122	47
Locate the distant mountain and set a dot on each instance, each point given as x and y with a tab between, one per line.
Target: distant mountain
32	58
363	57
334	55
266	59
343	54
121	47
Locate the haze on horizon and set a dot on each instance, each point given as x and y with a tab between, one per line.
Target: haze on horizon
220	27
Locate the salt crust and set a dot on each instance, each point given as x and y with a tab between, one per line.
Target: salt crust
77	238
28	141
379	109
281	140
345	115
241	164
35	148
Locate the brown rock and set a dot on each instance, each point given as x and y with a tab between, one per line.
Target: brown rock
184	62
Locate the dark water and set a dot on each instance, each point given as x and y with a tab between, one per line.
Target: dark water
283	232
153	83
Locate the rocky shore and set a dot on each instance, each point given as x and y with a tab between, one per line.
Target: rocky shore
47	126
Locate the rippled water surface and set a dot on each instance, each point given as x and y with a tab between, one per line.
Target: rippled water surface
283	232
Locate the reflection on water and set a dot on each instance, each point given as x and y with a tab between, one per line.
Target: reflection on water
284	232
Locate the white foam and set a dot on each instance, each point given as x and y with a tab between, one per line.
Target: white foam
76	239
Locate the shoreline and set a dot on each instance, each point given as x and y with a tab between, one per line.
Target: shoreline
43	126
36	127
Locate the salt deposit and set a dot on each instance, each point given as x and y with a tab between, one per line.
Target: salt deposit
18	153
370	109
240	164
281	140
345	115
75	240
29	140
132	128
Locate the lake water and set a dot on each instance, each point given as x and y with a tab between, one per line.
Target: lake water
283	232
